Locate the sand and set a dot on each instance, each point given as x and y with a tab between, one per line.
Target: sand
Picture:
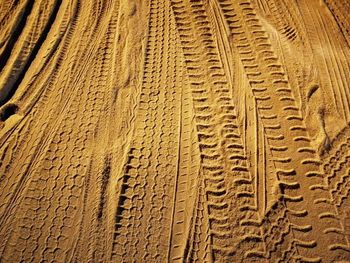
174	131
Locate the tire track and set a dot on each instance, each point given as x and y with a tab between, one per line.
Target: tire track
27	46
198	246
336	168
65	190
147	186
335	157
186	194
13	29
340	11
333	68
299	177
228	186
25	143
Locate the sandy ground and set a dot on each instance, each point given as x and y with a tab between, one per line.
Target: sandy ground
174	131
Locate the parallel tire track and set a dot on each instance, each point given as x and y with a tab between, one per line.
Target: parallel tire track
228	187
52	192
297	167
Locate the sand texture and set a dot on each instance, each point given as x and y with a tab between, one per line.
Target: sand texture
174	131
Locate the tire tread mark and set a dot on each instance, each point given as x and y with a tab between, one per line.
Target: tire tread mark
248	35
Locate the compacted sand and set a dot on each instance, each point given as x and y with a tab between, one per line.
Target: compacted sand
174	131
